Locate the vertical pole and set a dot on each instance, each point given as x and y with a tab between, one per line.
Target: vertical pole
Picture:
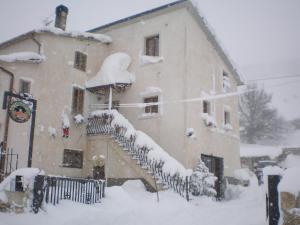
110	98
31	134
187	188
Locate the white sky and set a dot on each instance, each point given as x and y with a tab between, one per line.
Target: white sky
261	36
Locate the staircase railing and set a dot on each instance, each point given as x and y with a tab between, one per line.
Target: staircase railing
112	123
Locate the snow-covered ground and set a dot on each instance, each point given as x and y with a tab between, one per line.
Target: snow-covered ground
131	204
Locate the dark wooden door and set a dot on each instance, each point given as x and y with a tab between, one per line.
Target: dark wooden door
99	172
215	166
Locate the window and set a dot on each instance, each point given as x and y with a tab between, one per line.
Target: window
24	86
206	107
77	100
80	61
227	119
226	82
73	158
151	108
152	46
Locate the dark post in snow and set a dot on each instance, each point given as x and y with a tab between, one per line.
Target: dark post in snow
34	104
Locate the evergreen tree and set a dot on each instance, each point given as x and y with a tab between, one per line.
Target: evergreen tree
202	181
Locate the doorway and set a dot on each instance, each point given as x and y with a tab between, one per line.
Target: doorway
215	166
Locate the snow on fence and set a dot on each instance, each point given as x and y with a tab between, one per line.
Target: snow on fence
141	147
51	190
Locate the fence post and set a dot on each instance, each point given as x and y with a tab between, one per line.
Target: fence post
273	199
187	188
38	193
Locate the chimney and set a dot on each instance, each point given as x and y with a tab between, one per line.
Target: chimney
61	17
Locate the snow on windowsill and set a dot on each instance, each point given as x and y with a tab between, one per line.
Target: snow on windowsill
151	91
208	119
146	60
30	57
149	116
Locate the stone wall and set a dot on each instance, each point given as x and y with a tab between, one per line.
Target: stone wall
290	208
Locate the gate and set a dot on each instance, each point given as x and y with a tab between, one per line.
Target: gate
272	200
52	190
8	162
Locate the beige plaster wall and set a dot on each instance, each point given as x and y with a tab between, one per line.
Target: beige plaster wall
51	86
187	70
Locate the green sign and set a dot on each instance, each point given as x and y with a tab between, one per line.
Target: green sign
19	111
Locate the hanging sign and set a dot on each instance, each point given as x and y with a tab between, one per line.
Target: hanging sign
19	111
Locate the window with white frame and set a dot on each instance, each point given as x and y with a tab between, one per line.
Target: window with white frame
226	82
152	45
151	108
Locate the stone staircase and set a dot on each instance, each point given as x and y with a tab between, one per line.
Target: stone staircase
151	161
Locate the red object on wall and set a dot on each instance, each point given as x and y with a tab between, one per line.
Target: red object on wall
66	132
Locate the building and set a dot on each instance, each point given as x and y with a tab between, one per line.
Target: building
182	81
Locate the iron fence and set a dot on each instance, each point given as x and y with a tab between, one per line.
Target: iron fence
102	125
52	190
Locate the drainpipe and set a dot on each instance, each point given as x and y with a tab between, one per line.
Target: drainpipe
5	138
37	42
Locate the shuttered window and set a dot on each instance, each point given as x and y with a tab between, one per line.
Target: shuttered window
151	108
152	45
206	107
227	119
72	158
77	100
80	61
24	86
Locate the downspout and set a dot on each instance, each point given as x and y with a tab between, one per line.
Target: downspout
5	138
38	43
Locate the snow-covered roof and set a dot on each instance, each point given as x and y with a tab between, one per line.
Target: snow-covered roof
23	57
76	34
290	181
113	71
199	19
56	31
253	150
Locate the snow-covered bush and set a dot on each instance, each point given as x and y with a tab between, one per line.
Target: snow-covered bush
78	119
202	181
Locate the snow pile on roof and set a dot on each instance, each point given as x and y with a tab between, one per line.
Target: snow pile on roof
146	59
113	71
23	57
28	175
291	161
156	153
54	30
290	181
253	150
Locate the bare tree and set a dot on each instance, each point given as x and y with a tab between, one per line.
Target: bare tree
259	121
